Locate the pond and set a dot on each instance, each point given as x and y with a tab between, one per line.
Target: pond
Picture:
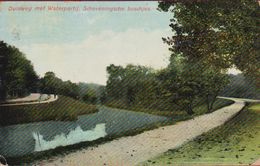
23	139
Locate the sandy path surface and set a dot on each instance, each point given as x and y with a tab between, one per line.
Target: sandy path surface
256	163
240	99
35	98
128	151
31	97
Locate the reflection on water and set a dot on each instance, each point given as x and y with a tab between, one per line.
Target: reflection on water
74	136
23	139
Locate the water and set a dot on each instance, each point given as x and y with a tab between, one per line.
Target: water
18	140
74	136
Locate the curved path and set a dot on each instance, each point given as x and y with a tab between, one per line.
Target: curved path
34	98
30	98
131	150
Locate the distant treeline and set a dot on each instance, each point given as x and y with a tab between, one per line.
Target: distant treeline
51	84
242	87
181	86
18	78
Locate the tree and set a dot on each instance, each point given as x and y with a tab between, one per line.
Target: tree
185	85
131	85
49	83
90	96
241	87
3	63
19	75
211	36
114	83
189	84
212	83
102	95
221	33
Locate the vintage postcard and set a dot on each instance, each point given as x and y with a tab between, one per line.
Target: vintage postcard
124	83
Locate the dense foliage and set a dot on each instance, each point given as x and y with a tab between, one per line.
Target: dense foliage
209	37
131	85
18	77
176	87
3	59
192	84
51	84
221	33
241	87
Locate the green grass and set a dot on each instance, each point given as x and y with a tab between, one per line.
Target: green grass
63	109
175	113
255	107
236	142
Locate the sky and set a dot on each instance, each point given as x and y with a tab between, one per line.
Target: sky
79	45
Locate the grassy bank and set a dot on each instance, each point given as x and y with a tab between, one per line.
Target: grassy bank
236	142
174	112
65	108
60	151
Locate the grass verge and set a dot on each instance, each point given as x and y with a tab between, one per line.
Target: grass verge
236	142
63	109
176	114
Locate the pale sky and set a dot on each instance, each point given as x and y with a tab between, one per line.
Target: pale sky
78	46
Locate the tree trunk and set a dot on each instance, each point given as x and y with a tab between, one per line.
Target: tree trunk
213	101
190	110
208	104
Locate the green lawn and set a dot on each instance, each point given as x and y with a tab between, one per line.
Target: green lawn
236	142
255	107
175	113
65	108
